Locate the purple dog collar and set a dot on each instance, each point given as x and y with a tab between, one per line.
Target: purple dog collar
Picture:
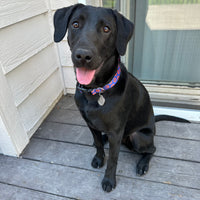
106	87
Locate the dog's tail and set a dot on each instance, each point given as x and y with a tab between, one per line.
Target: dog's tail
170	118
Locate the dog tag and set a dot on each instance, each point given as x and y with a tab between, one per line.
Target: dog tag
101	100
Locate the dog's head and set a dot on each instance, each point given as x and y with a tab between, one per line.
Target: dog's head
95	35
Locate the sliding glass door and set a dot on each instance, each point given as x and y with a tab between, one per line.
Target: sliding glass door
164	52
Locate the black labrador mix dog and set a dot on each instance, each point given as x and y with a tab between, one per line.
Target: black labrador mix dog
110	99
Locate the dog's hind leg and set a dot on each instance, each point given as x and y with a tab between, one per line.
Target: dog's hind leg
143	164
142	142
98	160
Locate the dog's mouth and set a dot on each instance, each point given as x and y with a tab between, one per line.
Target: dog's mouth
85	76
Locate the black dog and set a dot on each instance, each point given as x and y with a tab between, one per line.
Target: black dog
109	98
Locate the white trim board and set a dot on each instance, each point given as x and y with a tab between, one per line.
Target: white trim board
189	114
6	145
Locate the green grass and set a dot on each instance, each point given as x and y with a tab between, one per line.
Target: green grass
109	3
159	2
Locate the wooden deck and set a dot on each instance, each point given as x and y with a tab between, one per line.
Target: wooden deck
56	164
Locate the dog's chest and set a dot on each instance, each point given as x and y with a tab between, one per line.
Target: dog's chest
103	117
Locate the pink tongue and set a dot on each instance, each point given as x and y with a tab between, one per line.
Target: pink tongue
84	75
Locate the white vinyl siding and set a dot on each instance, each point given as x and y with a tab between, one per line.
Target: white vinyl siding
30	70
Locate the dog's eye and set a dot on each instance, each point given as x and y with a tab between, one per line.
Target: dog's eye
106	29
75	24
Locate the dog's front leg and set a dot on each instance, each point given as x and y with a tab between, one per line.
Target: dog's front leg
109	180
98	160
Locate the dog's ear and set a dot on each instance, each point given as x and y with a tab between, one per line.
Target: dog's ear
124	32
61	20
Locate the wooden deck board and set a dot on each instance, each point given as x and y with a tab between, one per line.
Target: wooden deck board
65	132
9	192
66	116
169	147
162	170
84	184
56	163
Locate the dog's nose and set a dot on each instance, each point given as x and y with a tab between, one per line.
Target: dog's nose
83	55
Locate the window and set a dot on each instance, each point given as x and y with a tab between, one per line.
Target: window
169	42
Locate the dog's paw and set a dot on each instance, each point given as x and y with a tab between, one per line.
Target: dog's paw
108	185
97	162
142	168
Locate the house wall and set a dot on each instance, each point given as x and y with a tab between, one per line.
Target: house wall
64	51
31	79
